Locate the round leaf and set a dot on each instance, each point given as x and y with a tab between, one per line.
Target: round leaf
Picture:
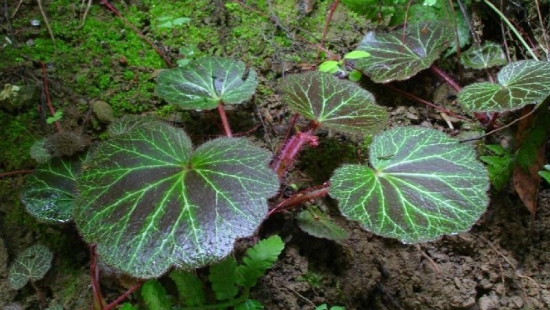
423	184
318	224
32	265
50	192
149	202
482	57
519	84
400	54
334	103
205	82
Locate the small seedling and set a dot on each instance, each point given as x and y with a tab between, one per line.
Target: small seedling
333	66
30	266
58	115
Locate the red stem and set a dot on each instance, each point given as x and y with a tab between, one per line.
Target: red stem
298	198
327	21
225	122
122	297
422	101
7	174
47	93
292	148
115	11
98	301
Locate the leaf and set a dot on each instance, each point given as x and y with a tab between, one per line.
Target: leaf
318	224
401	54
334	103
356	55
154	295
189	287
32	264
499	166
329	66
355	76
150	202
223	277
423	185
258	259
483	57
204	83
249	304
545	174
50	191
519	84
39	153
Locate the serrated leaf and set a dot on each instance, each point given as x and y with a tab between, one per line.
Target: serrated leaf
205	82
150	202
154	295
249	304
423	185
50	191
334	103
189	287
318	224
488	55
401	54
223	277
258	259
31	265
519	84
500	169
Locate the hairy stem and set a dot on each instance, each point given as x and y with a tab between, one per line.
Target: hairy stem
292	148
122	297
300	197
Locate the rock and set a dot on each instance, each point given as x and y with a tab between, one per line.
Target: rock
14	98
486	303
103	112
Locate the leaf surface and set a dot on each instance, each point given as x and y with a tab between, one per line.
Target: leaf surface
223	277
205	82
50	191
150	202
401	54
32	265
519	84
423	184
318	224
258	259
488	55
334	103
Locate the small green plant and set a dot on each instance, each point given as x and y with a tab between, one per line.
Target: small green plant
545	174
333	66
230	282
325	307
58	115
500	164
30	266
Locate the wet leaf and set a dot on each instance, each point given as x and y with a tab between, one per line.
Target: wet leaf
149	201
402	53
334	103
481	57
205	82
31	265
50	191
519	84
422	185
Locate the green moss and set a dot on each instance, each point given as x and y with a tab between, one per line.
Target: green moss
16	141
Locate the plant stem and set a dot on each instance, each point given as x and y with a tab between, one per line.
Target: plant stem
47	94
7	174
225	122
511	27
122	297
293	147
98	301
331	11
298	198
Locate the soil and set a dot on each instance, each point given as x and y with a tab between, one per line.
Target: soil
501	263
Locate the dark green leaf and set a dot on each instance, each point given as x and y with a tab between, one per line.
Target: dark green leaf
223	276
205	82
258	259
149	202
499	166
423	184
189	287
335	103
481	57
31	265
519	84
402	53
318	224
50	192
154	295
